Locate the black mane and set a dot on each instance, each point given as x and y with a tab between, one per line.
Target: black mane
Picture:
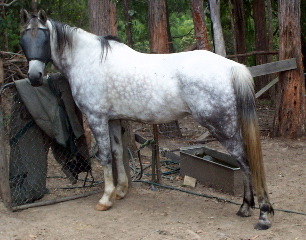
111	37
65	33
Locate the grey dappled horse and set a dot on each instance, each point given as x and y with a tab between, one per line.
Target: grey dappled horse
110	82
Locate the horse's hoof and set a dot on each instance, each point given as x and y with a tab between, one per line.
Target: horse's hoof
244	211
101	207
263	225
118	197
243	214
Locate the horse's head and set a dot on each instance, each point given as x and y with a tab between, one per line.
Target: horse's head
35	43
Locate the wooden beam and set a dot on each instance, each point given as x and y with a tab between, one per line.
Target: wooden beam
5	191
252	54
266	88
273	67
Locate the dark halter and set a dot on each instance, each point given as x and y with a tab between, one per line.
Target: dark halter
37	46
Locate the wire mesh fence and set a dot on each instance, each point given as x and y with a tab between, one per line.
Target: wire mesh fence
39	167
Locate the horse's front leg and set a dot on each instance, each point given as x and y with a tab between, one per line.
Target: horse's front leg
100	129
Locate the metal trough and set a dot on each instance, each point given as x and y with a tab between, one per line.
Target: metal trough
212	168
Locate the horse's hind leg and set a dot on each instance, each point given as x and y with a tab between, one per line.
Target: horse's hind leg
117	153
234	146
229	136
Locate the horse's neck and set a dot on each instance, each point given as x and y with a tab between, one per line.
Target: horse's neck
74	53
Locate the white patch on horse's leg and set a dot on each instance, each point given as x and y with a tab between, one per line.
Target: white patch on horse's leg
116	141
109	192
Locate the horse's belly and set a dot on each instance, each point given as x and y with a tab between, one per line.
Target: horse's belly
150	111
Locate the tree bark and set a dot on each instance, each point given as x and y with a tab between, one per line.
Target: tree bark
102	17
199	24
261	41
231	15
158	27
128	23
272	91
239	30
34	6
219	43
3	32
1	72
290	116
270	26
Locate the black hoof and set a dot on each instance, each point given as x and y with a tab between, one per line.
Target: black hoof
244	211
263	225
243	214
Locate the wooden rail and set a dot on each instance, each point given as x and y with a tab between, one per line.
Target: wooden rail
273	67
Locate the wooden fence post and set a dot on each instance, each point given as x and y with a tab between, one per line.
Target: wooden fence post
4	174
1	72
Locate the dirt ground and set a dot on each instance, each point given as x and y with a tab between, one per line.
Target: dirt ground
158	213
168	214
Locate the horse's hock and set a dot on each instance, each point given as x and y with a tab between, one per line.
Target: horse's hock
32	164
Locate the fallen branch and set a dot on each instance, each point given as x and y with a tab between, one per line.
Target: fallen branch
14	66
7	4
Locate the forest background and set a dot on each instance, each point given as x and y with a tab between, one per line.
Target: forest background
249	27
75	13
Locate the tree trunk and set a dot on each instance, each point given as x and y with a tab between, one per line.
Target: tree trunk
102	17
158	27
290	116
239	30
159	43
1	72
34	6
303	42
219	43
199	24
272	91
231	15
128	23
261	41
270	26
3	31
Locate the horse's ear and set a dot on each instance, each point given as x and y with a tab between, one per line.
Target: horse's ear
42	16
24	16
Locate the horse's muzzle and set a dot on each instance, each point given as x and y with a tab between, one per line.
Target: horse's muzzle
36	79
35	73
